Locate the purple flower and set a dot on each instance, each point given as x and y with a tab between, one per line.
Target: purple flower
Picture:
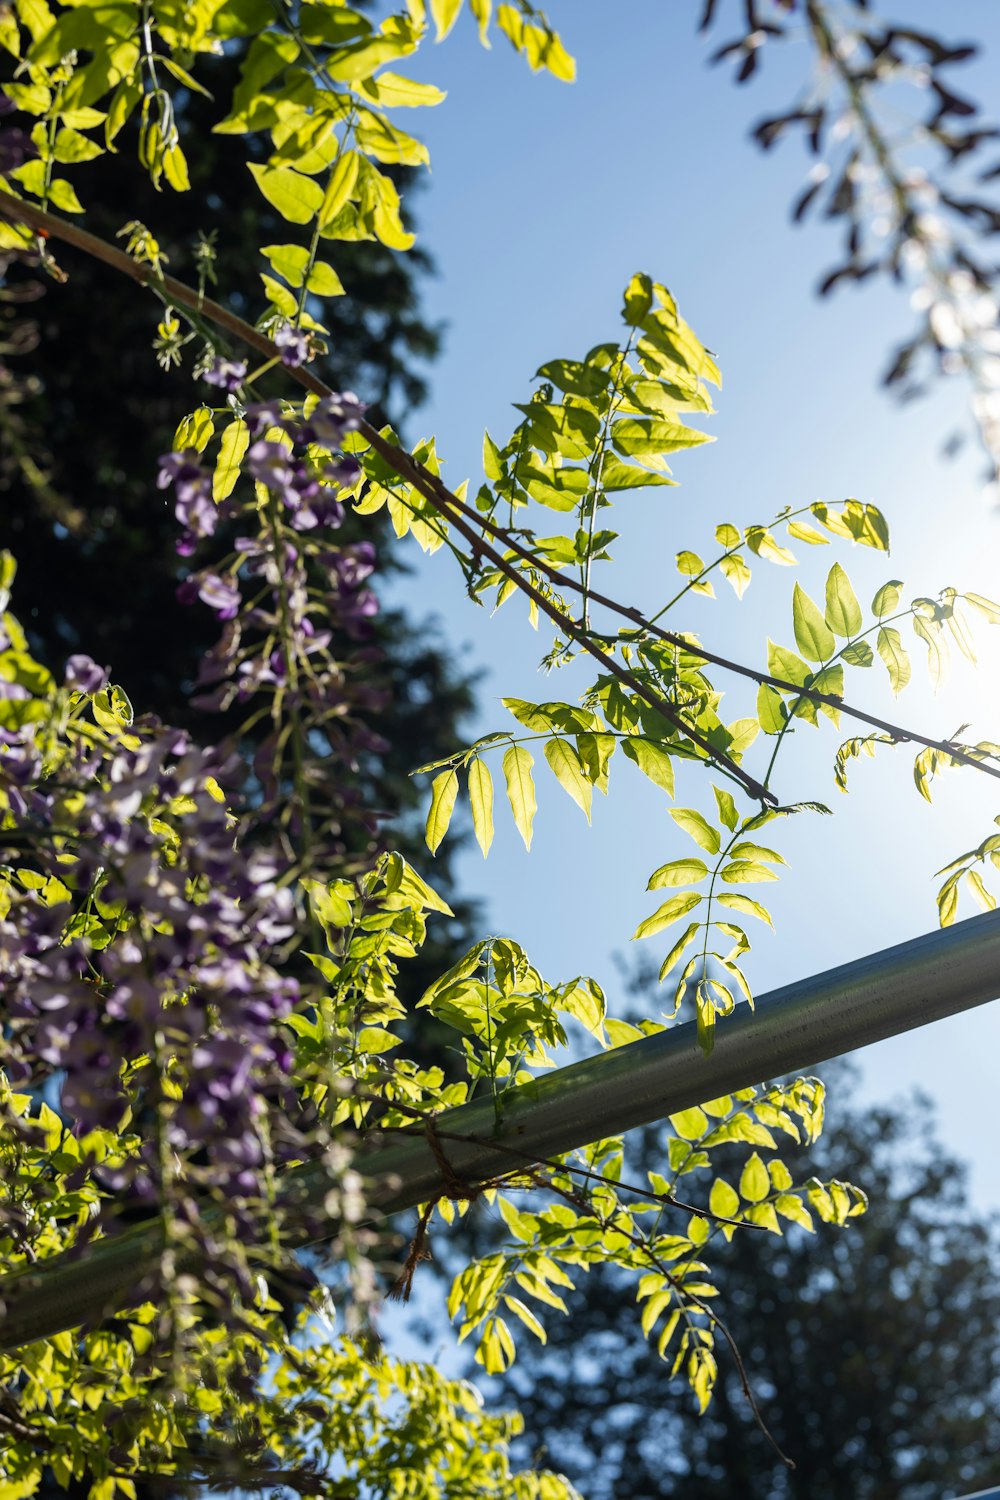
16	146
344	470
293	345
332	419
195	505
272	464
83	675
263	414
228	374
220	595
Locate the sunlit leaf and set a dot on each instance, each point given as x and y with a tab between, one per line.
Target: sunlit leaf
517	763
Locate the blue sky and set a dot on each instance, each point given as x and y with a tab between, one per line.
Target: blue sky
544	198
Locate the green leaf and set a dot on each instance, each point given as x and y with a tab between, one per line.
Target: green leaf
754	1181
638	300
640	437
235	442
492	461
678	872
323	281
289	261
671	911
339	187
723	1200
517	764
889	644
760	541
746	905
745	871
785	664
771	709
296	197
930	632
71	146
652	761
984	607
518	1308
481	801
377	138
568	770
445	14
886	601
62	194
393	91
689	1124
443	793
727	808
974	881
843	612
195	430
813	636
748	850
791	1207
698	827
678	948
858	654
736	571
803	532
689	564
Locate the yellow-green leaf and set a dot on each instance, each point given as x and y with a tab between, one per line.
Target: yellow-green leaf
689	1124
813	636
195	430
652	761
671	911
445	14
568	770
443	793
517	764
889	644
235	442
843	612
755	1184
481	801
937	647
296	197
698	827
678	872
340	185
723	1200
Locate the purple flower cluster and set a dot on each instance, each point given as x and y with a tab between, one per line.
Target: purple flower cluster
16	146
83	675
293	345
227	374
194	504
288	596
157	942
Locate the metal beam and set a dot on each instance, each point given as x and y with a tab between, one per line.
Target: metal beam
855	1005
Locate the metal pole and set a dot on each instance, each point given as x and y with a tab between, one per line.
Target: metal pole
866	1001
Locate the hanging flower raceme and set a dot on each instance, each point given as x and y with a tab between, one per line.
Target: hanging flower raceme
286	594
139	945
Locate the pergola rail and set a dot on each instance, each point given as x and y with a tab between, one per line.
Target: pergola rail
793	1028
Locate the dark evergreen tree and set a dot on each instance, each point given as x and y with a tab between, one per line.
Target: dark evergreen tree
873	1351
